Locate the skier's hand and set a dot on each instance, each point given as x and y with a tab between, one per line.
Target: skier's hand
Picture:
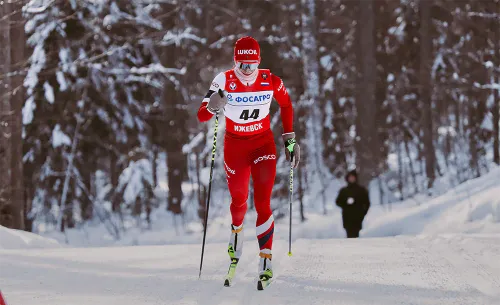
292	149
217	102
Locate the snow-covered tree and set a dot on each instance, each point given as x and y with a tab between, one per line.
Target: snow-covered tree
93	72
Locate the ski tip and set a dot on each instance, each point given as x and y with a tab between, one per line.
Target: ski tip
289	253
259	286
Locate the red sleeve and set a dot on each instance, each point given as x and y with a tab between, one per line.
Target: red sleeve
203	113
283	99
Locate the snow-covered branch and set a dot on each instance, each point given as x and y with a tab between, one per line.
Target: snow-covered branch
172	2
31	7
218	44
195	141
143	19
144	80
150	69
487	86
484	15
176	37
157	68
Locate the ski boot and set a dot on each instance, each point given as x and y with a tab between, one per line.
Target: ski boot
234	249
265	269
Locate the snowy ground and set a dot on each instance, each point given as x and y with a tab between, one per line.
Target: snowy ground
447	269
16	239
445	251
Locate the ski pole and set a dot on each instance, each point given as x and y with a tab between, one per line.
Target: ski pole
291	195
214	147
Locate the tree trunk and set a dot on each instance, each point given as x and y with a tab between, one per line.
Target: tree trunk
201	197
400	166
473	143
425	89
175	128
65	218
496	124
366	129
412	169
18	42
5	117
154	166
380	190
114	173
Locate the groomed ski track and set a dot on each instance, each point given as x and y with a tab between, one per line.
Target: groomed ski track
446	269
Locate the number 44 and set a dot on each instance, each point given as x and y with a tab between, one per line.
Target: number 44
245	114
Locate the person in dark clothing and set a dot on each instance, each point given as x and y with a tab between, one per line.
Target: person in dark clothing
354	201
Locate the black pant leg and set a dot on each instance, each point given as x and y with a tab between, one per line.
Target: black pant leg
352	233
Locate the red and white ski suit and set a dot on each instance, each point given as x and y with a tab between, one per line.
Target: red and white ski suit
249	146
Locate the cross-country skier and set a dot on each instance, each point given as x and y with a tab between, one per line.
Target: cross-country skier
249	147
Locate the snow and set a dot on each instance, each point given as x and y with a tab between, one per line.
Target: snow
472	207
61	80
49	93
38	60
16	239
134	177
28	110
32	7
326	62
177	37
398	31
440	250
438	63
195	141
448	269
59	137
488	122
483	15
447	130
153	68
329	84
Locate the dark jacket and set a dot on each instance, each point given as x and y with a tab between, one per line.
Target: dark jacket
355	202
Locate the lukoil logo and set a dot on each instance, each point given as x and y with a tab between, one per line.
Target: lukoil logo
253	99
247	52
266	157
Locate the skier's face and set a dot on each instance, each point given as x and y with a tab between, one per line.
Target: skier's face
247	68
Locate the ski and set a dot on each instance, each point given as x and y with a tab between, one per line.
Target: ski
230	273
264	282
265	279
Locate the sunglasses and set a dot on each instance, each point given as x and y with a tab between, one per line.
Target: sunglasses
247	66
